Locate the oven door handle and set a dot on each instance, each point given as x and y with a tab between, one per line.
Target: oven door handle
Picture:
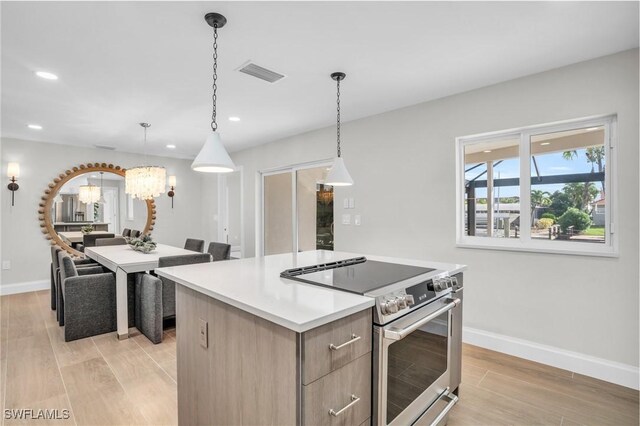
399	334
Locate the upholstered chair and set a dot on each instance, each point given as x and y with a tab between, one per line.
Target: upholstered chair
115	241
156	297
219	251
89	240
126	232
55	272
194	245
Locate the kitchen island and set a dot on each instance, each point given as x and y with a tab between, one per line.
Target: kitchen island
255	348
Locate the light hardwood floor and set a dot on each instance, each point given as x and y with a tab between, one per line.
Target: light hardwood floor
104	381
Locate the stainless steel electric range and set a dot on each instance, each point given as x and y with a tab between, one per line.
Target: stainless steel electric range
417	334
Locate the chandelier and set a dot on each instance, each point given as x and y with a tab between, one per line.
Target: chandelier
145	182
89	194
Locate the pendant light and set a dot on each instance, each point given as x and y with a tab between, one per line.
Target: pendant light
213	157
145	182
101	200
88	194
338	175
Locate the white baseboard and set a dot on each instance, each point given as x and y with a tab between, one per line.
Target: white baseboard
610	371
24	287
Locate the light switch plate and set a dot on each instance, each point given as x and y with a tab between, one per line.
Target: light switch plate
6	264
204	333
352	203
345	203
346	219
357	220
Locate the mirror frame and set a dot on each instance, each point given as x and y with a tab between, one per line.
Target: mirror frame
44	207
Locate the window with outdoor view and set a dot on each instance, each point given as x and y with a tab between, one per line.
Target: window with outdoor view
545	188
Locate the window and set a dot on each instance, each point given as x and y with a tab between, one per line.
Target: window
539	188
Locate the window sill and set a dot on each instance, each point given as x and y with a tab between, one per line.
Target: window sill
559	247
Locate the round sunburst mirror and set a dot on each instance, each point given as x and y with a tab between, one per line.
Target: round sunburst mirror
91	194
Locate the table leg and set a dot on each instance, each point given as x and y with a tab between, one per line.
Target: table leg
122	307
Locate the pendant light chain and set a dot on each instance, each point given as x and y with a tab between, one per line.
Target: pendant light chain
214	124
338	116
144	145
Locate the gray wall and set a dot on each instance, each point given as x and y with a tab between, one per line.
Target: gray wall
23	243
404	170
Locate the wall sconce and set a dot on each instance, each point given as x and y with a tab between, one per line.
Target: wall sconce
13	171
172	186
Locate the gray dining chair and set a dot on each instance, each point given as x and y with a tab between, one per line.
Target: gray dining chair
219	251
126	232
89	240
135	233
156	296
194	245
65	273
115	241
55	272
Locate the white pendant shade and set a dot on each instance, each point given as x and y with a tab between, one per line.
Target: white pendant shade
89	194
338	175
145	182
213	157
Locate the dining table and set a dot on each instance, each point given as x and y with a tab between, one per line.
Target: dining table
123	260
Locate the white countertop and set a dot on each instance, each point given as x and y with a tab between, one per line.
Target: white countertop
255	286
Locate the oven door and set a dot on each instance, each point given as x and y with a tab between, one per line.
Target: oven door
412	364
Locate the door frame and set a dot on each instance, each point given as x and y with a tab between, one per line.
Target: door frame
293	169
223	208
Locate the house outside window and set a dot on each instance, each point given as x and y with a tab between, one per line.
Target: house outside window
539	188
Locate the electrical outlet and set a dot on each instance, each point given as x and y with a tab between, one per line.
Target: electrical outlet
346	219
357	219
204	333
352	203
6	264
345	203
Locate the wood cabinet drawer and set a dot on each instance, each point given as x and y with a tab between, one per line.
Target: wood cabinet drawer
318	359
334	392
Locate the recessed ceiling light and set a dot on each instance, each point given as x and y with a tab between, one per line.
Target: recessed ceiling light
487	150
234	118
34	126
46	75
545	143
591	129
171	146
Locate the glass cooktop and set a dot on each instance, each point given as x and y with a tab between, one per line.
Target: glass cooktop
357	275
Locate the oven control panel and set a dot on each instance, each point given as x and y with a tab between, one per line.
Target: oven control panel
395	302
444	283
399	303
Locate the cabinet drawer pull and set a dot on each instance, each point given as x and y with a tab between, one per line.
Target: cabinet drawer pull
354	401
354	339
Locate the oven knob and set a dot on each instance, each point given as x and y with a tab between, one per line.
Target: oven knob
437	285
448	282
391	307
410	300
454	282
402	302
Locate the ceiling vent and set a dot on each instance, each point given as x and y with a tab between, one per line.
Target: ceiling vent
108	148
260	72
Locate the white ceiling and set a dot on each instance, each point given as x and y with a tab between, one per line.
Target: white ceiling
120	63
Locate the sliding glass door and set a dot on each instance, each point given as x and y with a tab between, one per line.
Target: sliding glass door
297	210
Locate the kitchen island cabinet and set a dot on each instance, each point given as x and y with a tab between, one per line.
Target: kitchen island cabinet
255	348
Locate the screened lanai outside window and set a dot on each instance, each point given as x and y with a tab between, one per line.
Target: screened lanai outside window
568	193
492	195
539	188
